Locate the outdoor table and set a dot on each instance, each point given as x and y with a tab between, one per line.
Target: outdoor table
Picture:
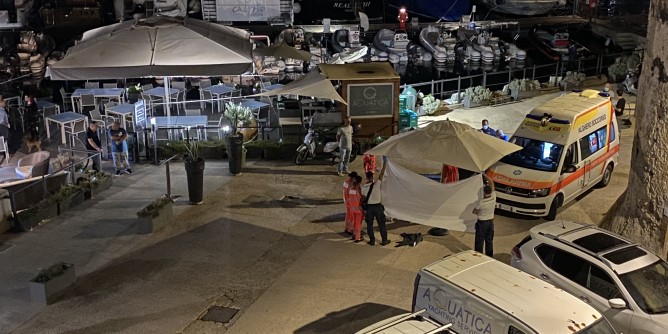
110	93
254	104
179	121
272	87
41	104
122	111
63	119
218	91
160	92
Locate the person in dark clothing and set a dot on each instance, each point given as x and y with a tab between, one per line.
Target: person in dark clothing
93	144
621	104
31	117
371	196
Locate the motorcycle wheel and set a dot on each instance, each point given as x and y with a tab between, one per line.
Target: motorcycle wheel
354	152
300	157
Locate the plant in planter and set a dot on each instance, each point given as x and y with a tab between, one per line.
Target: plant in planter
36	214
237	115
69	196
523	88
476	96
155	215
430	104
194	164
93	183
134	93
51	282
573	80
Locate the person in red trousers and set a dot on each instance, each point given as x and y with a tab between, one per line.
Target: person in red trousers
346	185
354	206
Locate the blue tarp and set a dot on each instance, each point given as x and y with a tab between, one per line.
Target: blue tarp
448	10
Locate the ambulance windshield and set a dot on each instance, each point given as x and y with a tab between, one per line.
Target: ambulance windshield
535	154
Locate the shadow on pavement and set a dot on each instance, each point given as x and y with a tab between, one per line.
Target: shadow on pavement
351	320
267	170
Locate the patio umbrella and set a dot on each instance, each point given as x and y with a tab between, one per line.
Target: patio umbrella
156	47
447	142
313	84
283	50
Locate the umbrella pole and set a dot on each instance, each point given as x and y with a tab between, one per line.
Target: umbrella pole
167	111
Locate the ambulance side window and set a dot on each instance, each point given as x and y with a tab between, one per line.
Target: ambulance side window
571	157
612	132
513	330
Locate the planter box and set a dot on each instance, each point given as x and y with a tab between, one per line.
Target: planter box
273	153
254	152
153	224
48	292
101	186
29	222
525	94
468	104
71	202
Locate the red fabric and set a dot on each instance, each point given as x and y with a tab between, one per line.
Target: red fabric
346	186
369	163
449	174
357	224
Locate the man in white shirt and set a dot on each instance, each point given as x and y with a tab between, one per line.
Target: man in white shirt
374	208
484	227
345	138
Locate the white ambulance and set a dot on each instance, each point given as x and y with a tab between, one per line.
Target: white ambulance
469	293
570	144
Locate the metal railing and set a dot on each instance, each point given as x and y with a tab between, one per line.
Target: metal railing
591	66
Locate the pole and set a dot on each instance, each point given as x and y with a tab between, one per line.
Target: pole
167	111
155	143
169	181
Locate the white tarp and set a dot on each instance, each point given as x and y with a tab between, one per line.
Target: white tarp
415	198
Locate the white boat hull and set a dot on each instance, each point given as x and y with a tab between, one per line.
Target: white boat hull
522	7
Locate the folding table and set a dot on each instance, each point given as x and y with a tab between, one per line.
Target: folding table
63	119
110	93
123	111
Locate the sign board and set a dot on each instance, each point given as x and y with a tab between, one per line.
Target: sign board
371	100
140	115
247	10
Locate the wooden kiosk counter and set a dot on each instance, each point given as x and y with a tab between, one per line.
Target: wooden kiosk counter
372	93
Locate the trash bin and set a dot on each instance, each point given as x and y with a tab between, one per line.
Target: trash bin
234	153
408	119
410	95
413	119
5	210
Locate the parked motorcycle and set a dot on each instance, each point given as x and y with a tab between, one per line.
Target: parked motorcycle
317	143
631	81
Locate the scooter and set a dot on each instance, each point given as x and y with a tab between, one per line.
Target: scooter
631	81
316	143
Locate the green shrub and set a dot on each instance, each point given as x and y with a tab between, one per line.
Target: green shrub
152	209
53	271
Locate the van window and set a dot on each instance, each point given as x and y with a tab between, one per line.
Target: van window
513	330
593	142
601	284
612	132
571	157
535	154
599	327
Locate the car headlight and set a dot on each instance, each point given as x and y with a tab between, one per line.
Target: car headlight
540	192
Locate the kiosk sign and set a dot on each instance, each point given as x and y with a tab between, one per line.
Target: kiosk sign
371	100
140	115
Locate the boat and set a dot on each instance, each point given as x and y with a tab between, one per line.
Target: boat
350	55
555	44
338	11
440	44
522	7
392	42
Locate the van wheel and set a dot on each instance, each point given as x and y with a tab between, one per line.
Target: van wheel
556	204
607	175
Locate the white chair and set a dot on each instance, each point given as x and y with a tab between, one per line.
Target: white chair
204	83
192	112
105	120
67	99
207	98
179	100
4	149
180	85
219	127
74	129
109	85
146	87
86	100
33	165
92	85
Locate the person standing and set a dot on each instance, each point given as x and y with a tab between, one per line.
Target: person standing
346	185
449	174
93	144
119	148
345	138
484	227
31	116
354	203
621	104
4	120
371	192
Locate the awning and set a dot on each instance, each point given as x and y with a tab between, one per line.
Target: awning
313	84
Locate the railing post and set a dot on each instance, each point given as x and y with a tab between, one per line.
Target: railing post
484	78
459	88
524	73
510	76
155	143
432	87
579	65
533	74
44	189
556	73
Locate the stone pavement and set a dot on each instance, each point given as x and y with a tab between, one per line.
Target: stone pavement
267	242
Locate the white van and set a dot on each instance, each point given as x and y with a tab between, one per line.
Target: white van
475	294
570	144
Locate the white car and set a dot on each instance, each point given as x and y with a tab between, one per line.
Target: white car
625	282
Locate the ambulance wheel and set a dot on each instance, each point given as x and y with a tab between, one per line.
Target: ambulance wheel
607	175
301	156
556	204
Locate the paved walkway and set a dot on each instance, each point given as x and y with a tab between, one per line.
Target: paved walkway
266	242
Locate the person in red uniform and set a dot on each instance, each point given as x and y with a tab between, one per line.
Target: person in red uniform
354	205
402	17
346	185
449	174
369	163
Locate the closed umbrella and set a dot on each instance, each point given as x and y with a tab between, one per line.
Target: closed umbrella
282	50
447	142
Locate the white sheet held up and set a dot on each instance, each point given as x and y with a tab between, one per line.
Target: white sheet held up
417	199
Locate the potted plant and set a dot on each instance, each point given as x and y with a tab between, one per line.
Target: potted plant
155	215
69	196
134	93
94	183
523	88
237	115
36	214
476	96
194	164
572	80
51	282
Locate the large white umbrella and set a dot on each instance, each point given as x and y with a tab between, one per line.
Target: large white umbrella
156	47
447	142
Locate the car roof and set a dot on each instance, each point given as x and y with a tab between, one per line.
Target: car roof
620	254
536	303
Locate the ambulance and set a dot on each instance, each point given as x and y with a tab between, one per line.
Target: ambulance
569	144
